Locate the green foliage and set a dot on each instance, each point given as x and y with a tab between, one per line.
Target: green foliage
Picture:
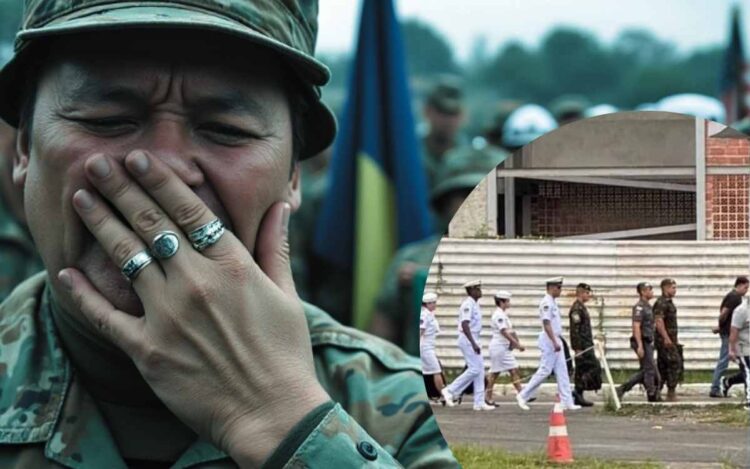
429	53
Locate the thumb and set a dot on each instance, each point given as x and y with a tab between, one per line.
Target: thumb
272	247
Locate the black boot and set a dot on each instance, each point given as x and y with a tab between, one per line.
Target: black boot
579	400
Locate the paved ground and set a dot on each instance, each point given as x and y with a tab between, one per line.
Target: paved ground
598	435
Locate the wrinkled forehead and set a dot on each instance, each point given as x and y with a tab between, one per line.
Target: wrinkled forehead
146	60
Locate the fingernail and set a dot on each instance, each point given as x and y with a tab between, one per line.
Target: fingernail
285	218
140	163
100	167
83	199
64	277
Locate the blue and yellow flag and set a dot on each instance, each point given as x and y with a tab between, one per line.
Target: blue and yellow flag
377	199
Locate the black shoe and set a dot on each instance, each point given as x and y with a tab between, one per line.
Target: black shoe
579	400
725	386
715	394
656	398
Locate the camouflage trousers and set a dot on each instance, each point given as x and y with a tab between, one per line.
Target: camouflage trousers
671	366
588	373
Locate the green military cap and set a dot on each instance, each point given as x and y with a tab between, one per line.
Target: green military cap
465	167
288	29
568	106
446	96
584	287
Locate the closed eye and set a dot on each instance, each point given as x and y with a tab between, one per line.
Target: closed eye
108	126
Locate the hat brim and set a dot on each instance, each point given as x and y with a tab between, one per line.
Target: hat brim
320	127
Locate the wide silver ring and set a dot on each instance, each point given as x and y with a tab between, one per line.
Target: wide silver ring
165	245
135	264
206	235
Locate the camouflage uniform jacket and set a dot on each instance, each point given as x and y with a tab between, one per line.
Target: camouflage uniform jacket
48	418
666	310
581	336
18	257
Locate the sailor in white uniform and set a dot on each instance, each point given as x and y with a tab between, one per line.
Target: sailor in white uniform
469	329
428	329
550	344
503	341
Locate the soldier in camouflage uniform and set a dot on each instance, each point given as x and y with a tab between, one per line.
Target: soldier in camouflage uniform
443	113
668	350
153	121
18	257
642	343
396	314
588	372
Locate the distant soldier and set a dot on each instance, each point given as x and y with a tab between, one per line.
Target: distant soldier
739	344
728	304
550	344
669	351
469	328
588	372
504	340
444	114
429	328
642	342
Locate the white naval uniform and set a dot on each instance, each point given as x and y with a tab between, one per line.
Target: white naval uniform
501	357
428	324
470	311
550	360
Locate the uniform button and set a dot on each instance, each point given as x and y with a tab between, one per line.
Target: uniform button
367	450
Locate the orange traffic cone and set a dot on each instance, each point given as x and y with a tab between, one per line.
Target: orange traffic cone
558	444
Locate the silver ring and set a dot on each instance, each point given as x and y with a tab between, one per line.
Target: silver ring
206	235
135	264
165	245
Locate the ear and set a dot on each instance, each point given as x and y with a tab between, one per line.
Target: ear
21	158
293	194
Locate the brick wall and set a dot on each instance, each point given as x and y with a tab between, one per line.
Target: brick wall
568	209
727	195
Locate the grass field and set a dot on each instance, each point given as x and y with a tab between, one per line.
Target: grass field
482	458
726	414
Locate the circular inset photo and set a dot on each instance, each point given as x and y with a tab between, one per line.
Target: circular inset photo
589	300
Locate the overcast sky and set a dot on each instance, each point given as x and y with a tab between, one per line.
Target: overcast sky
687	23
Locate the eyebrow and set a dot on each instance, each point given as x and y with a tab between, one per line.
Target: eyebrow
92	92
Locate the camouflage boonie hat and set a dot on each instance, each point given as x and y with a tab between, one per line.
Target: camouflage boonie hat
465	167
286	28
446	96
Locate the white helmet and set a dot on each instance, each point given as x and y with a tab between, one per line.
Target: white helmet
697	105
525	124
599	110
